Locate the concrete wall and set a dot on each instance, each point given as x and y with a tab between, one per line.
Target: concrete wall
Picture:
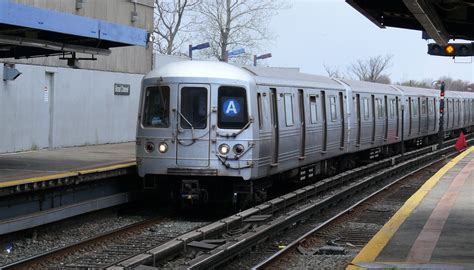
79	108
124	59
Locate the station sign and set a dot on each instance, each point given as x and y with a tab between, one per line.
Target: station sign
121	89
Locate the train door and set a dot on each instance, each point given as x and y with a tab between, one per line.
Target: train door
410	115
397	110
193	125
458	107
303	122
427	116
275	127
374	119
325	122
420	115
385	137
343	120
463	113
453	113
358	118
446	114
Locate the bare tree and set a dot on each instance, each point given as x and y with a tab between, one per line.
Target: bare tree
385	79
427	83
455	85
333	71
172	28
229	24
370	69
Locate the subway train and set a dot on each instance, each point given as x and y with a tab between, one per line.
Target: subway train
215	131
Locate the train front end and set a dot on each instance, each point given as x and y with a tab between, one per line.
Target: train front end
195	131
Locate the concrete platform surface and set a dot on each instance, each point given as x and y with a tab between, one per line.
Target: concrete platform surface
434	229
34	166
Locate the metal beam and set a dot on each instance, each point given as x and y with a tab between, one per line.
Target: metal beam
429	19
46	20
51	45
365	13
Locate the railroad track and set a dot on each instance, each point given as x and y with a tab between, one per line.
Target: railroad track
228	237
64	251
218	242
103	250
355	237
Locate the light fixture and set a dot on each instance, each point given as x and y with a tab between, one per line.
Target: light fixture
149	147
224	149
238	149
163	147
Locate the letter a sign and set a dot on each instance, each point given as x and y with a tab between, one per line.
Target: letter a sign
231	107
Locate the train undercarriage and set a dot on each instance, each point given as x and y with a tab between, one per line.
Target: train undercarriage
190	191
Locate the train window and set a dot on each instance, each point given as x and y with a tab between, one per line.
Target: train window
313	107
232	107
193	108
423	106
414	107
392	108
260	113
156	107
430	107
365	102
288	99
332	106
378	101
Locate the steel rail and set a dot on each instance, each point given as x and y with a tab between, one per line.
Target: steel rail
270	260
244	242
179	244
38	259
220	254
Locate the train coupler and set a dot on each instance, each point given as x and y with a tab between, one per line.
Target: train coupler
192	194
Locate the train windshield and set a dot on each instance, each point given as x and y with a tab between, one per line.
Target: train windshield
232	107
156	107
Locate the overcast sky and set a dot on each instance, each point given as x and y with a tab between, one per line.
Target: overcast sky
312	33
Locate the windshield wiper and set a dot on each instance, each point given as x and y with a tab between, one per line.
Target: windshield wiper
193	140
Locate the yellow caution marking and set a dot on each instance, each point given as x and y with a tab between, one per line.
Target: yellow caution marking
38	179
108	168
65	175
370	252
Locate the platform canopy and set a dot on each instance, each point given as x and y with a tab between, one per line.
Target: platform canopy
442	20
27	31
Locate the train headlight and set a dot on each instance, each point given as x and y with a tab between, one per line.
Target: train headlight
163	147
224	149
238	149
149	147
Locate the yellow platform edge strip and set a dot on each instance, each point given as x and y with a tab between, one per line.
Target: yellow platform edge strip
370	252
66	174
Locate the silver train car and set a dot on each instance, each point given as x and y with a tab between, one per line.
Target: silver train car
208	130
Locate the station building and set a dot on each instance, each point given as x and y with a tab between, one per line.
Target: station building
54	103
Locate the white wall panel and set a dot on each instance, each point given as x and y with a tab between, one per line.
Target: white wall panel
85	108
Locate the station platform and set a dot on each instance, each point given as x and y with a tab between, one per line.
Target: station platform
46	168
434	229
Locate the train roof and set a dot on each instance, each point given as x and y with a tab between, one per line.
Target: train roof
409	90
369	87
285	76
201	69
